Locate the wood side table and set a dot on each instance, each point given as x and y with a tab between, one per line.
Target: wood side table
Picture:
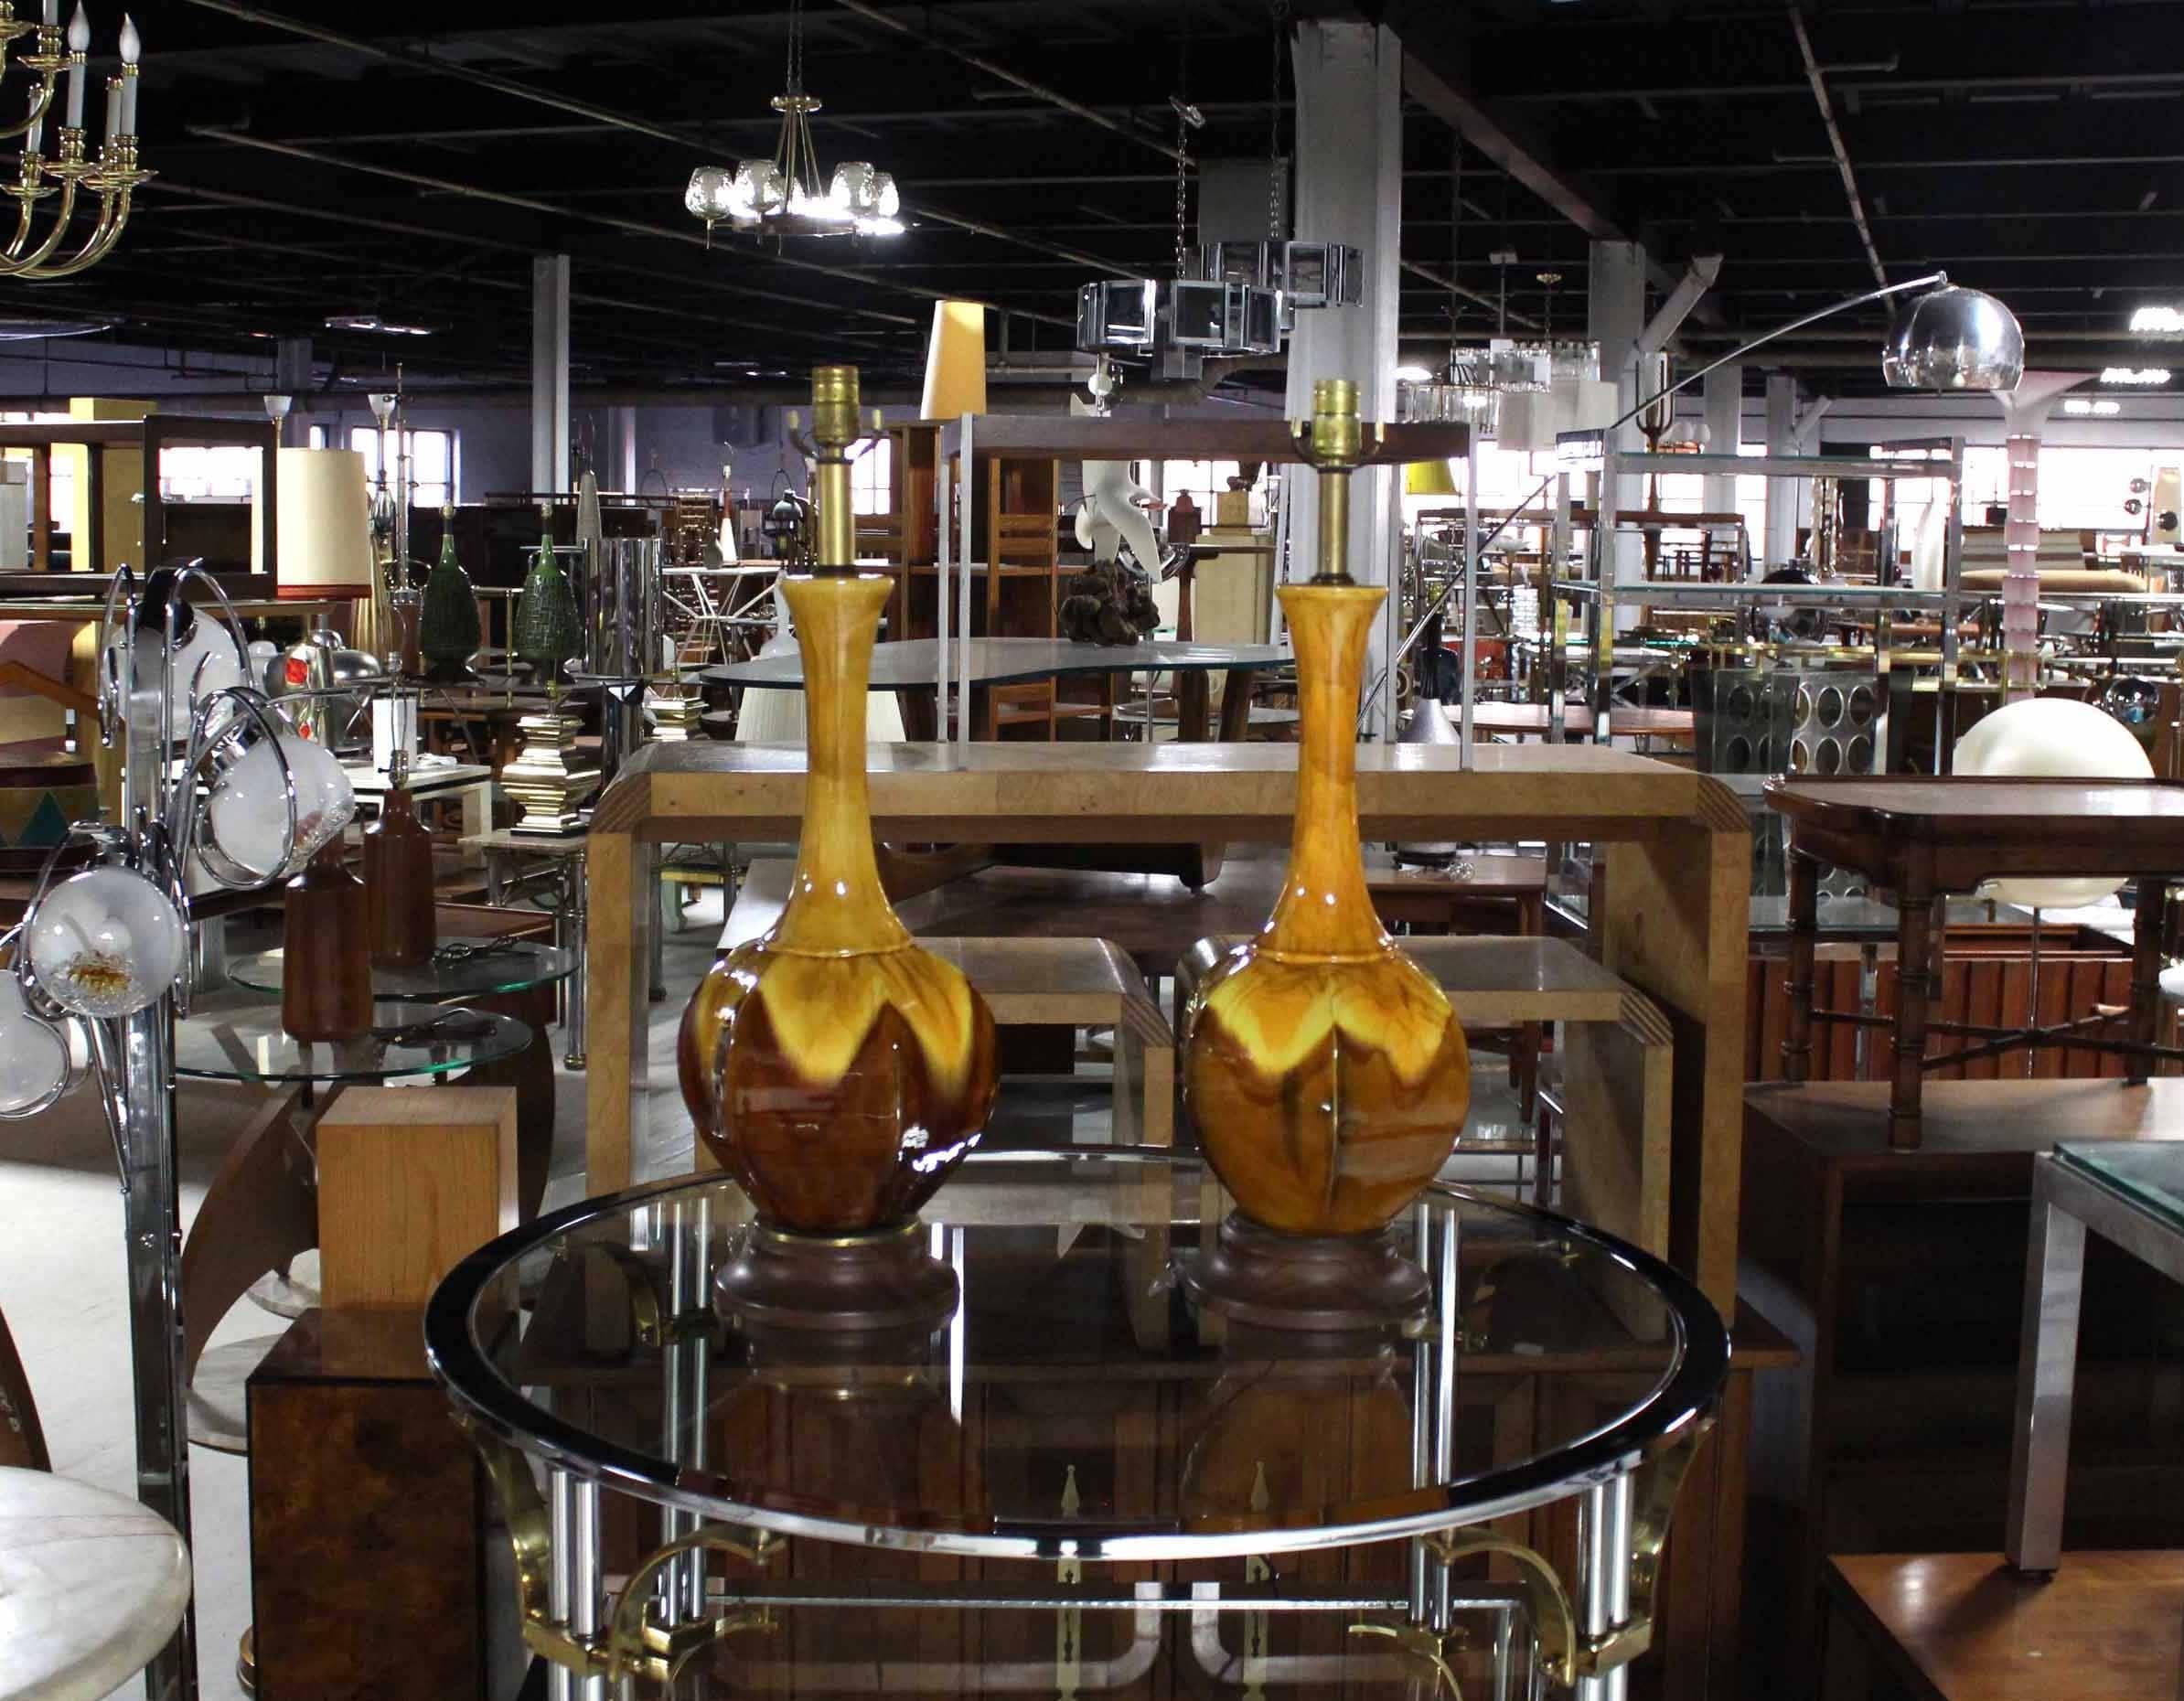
1926	840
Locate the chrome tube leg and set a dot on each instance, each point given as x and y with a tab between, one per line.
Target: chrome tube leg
152	1217
575	916
587	1606
561	1512
1605	1579
2047	1367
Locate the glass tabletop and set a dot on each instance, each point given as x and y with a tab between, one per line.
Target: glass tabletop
460	968
1077	1402
246	1043
2147	1172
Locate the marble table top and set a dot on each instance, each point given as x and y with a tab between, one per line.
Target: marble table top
91	1585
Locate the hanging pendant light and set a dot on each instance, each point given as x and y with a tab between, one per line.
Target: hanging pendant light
787	195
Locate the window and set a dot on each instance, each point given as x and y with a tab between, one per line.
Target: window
432	462
872	478
208	472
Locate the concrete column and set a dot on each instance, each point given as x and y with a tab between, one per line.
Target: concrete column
550	373
292	377
1614	315
1349	188
1722	394
620	473
1782	493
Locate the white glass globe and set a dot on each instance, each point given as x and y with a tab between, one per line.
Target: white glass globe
106	942
204	662
247	815
2051	738
712	192
34	1059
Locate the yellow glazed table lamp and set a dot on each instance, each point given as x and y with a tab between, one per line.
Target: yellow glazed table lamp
838	1072
1325	1071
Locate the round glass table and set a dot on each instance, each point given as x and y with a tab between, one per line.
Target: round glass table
1096	1470
246	1042
460	968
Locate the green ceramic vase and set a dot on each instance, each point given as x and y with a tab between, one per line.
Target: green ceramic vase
448	633
549	630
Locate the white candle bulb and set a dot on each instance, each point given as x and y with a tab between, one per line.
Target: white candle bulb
79	42
51	13
35	141
132	49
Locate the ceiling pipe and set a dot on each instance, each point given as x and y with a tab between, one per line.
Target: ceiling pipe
1449	286
633	227
920	32
1835	141
439	68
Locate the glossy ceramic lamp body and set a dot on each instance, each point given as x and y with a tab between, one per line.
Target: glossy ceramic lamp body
1325	1071
836	1070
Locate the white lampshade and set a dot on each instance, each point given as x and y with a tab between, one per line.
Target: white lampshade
2051	738
956	361
323	529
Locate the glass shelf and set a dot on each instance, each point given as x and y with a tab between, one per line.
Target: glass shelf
247	1044
475	968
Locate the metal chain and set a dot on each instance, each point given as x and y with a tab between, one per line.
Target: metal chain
1183	209
796	46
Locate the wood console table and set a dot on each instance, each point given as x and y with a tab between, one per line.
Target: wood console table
1925	839
1677	850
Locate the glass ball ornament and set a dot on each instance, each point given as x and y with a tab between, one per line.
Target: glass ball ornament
106	942
33	1057
760	188
248	814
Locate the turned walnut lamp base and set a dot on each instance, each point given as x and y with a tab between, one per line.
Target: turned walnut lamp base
845	1284
1304	1282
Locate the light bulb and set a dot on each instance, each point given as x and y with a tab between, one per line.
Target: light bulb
889	202
133	45
80	30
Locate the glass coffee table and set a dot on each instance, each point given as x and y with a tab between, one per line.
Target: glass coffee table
1080	1476
459	969
247	1043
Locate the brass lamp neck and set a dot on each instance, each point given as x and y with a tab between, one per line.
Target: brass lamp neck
1334	445
833	430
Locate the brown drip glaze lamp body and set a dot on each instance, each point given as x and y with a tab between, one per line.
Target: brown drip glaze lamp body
838	1072
1325	1070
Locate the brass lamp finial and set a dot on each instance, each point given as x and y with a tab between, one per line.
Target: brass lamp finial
834	427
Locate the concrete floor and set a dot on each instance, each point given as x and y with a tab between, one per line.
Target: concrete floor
63	1292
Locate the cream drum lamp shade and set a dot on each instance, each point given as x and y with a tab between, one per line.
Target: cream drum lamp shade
956	361
2051	738
323	521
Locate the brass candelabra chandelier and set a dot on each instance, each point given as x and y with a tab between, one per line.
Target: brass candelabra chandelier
70	173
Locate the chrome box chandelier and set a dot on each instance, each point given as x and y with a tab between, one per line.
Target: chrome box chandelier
785	195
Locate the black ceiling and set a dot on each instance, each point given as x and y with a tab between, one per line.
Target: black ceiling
408	160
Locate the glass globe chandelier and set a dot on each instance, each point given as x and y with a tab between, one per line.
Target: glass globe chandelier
787	195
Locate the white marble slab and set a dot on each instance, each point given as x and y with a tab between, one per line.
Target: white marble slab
91	1585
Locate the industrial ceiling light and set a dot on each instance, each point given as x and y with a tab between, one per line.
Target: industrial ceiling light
2143	375
2079	405
373	323
2158	322
786	196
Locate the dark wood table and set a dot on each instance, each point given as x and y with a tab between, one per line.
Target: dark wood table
1925	839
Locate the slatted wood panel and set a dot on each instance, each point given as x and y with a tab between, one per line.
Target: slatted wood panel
1994	991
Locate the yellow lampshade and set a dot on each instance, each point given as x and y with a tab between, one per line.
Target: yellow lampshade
322	527
1428	478
956	361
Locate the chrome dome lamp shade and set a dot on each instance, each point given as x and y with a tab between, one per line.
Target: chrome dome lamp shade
1955	338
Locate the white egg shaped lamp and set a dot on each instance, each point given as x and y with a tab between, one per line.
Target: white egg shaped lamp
2051	738
248	813
202	662
33	1057
106	942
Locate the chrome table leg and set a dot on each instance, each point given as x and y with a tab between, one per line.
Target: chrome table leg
2047	1367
